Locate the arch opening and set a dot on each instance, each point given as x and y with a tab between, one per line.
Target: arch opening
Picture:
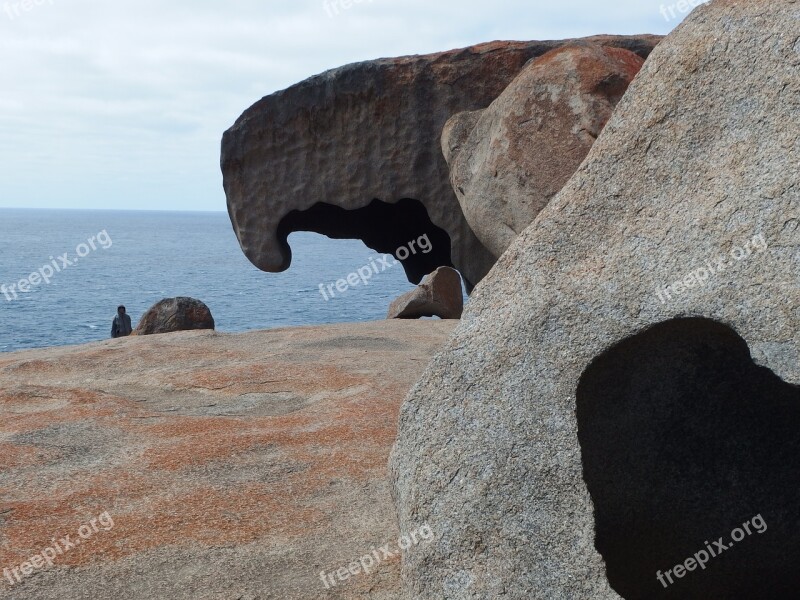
684	440
384	227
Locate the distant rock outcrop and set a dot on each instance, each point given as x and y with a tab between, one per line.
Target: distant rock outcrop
175	314
508	161
356	153
622	391
439	295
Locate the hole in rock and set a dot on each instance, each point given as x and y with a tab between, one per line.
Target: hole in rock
383	227
684	439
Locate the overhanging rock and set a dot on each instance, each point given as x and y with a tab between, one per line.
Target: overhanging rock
355	153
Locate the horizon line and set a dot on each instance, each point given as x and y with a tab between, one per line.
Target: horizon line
162	210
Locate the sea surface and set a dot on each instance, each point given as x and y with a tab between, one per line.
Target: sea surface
139	258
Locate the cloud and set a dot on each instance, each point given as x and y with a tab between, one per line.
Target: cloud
122	104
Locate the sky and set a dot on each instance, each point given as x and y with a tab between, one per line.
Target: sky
122	104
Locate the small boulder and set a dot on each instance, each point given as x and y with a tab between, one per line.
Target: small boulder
439	295
175	314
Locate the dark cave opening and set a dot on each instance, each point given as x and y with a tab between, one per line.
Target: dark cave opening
685	439
384	227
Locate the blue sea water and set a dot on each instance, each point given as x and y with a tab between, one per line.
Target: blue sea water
155	255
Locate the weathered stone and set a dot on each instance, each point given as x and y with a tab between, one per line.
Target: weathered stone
508	161
356	153
233	466
439	295
175	314
585	427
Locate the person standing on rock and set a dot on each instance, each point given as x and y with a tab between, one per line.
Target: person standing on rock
121	327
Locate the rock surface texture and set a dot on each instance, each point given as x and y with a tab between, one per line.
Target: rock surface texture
439	295
356	153
175	314
233	466
508	161
623	386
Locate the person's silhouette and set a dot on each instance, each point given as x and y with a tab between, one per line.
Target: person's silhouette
121	327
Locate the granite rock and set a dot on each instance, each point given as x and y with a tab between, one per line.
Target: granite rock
508	161
623	386
175	314
232	465
439	295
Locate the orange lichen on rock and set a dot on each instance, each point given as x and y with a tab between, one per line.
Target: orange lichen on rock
205	447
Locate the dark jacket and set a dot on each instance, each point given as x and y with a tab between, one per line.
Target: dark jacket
121	327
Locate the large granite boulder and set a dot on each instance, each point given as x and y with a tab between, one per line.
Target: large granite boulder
508	161
356	153
621	394
175	314
439	295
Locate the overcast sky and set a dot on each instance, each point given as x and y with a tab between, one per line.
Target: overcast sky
122	104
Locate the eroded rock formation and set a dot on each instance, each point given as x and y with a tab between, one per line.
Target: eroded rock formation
439	295
623	386
356	153
508	161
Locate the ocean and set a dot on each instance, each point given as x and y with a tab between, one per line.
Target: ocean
78	266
